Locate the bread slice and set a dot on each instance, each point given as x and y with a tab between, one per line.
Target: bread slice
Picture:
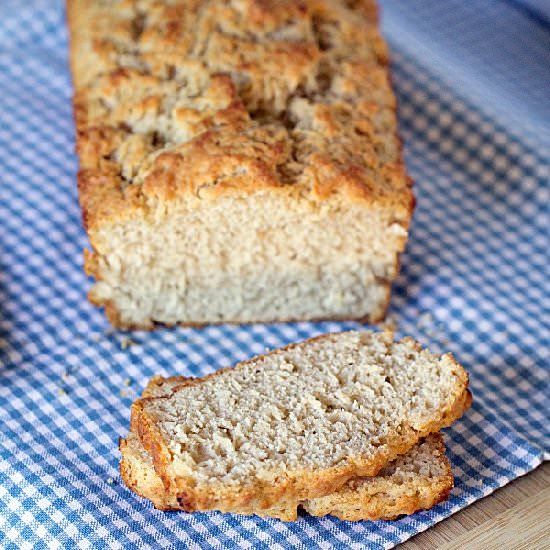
297	423
239	161
415	481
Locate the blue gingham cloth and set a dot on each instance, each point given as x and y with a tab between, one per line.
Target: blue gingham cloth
473	82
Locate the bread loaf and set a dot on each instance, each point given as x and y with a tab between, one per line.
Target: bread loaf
283	429
239	161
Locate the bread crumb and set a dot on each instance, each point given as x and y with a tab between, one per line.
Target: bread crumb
390	324
425	319
126	342
61	391
124	393
127	382
110	480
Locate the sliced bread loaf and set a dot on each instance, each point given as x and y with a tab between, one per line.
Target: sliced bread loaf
239	161
417	480
299	422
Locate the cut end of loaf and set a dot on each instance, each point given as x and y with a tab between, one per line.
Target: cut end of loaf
272	260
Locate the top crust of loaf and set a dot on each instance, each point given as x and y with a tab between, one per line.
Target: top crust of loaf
192	100
412	393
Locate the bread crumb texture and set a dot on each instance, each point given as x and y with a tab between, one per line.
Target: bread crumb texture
239	145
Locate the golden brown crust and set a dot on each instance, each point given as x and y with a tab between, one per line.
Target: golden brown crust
151	489
157	386
380	507
126	69
288	487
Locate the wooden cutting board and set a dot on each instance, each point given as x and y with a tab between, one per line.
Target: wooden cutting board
516	517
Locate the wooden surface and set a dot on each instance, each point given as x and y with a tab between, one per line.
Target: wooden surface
516	517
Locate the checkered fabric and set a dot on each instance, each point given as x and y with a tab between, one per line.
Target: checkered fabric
472	81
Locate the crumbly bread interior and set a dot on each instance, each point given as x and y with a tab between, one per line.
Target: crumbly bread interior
260	258
303	419
239	161
314	405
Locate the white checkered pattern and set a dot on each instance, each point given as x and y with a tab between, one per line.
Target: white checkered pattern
475	119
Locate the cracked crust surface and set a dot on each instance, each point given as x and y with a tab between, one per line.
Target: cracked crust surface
286	488
184	104
201	98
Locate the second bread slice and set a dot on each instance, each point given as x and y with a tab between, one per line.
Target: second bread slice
297	423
